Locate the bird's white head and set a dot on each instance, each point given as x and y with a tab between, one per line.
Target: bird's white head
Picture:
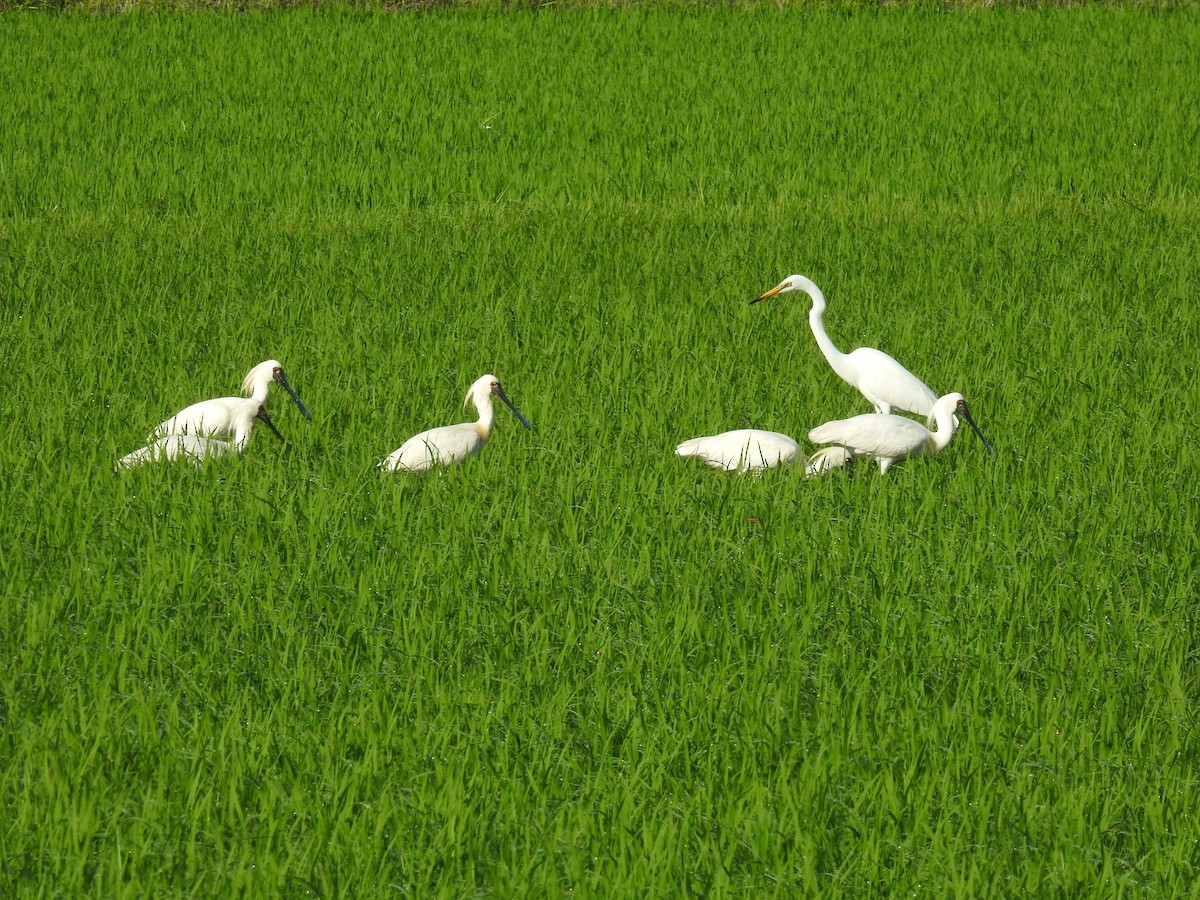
261	376
945	409
950	403
258	382
790	284
481	393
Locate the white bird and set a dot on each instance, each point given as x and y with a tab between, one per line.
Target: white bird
191	447
453	443
230	417
744	450
885	383
827	458
753	450
890	438
176	446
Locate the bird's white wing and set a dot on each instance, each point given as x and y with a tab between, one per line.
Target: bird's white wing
209	418
882	378
436	447
745	449
873	435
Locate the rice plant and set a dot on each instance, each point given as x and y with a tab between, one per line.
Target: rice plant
576	663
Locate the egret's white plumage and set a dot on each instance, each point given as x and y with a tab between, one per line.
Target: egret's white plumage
890	438
753	450
453	443
195	448
885	383
231	417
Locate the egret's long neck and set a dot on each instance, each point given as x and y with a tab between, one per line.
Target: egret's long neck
816	321
946	423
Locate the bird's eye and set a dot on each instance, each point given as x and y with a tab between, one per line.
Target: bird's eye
278	371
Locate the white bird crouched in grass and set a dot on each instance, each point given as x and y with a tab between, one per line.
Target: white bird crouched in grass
176	446
885	383
453	443
223	416
196	448
754	450
891	439
828	458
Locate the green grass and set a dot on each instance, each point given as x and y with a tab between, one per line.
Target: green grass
577	664
111	7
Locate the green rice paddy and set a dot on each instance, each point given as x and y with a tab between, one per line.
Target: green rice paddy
577	664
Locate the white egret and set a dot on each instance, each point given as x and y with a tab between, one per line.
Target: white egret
220	417
890	438
753	450
195	448
453	443
885	383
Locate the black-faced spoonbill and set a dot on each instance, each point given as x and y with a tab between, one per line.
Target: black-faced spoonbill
221	417
195	448
753	450
453	443
885	383
890	438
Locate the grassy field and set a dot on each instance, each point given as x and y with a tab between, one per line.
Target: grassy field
577	664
